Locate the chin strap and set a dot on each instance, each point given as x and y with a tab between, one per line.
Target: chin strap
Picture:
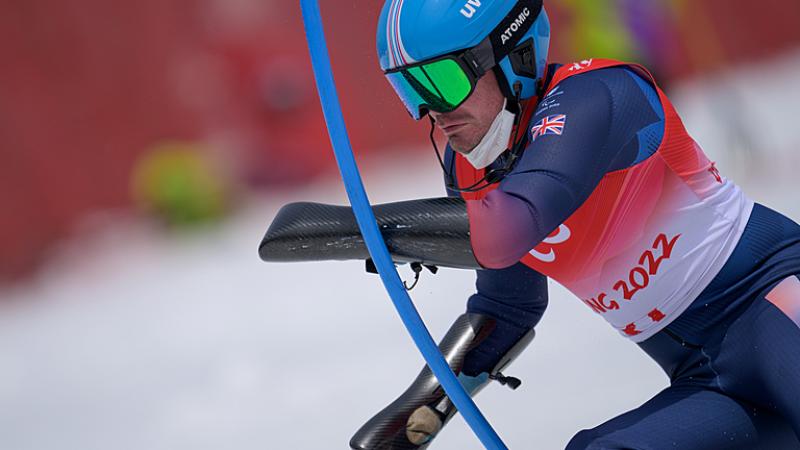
492	176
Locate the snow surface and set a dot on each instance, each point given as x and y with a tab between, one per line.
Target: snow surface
137	339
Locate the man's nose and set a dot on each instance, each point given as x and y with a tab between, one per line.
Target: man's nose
440	117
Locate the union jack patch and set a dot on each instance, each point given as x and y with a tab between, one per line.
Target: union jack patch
549	125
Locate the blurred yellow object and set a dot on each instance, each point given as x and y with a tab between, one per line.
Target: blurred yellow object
177	182
598	30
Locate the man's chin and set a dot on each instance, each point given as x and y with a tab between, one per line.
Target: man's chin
462	145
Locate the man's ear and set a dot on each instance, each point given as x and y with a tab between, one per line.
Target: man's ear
502	83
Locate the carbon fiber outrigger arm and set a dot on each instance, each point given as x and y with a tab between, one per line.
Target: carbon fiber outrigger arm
430	232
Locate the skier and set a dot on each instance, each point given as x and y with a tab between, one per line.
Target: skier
585	174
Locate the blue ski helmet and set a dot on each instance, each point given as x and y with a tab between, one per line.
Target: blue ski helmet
434	51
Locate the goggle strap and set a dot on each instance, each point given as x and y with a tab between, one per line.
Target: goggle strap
507	35
481	58
504	38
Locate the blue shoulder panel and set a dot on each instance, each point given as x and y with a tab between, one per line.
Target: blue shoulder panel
650	136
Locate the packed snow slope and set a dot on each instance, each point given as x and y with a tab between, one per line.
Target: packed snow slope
133	339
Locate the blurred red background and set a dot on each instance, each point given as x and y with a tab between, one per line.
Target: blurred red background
86	90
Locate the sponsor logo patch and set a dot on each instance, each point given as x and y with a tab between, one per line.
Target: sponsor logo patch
550	101
585	64
560	236
470	8
515	25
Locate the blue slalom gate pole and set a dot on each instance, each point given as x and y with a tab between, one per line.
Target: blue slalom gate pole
374	241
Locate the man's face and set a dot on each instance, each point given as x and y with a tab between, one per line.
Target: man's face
466	126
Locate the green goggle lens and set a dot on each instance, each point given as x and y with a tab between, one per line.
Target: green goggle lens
440	86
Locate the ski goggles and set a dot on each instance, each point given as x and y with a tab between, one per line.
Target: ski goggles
443	84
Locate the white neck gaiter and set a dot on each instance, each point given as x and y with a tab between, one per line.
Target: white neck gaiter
495	142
